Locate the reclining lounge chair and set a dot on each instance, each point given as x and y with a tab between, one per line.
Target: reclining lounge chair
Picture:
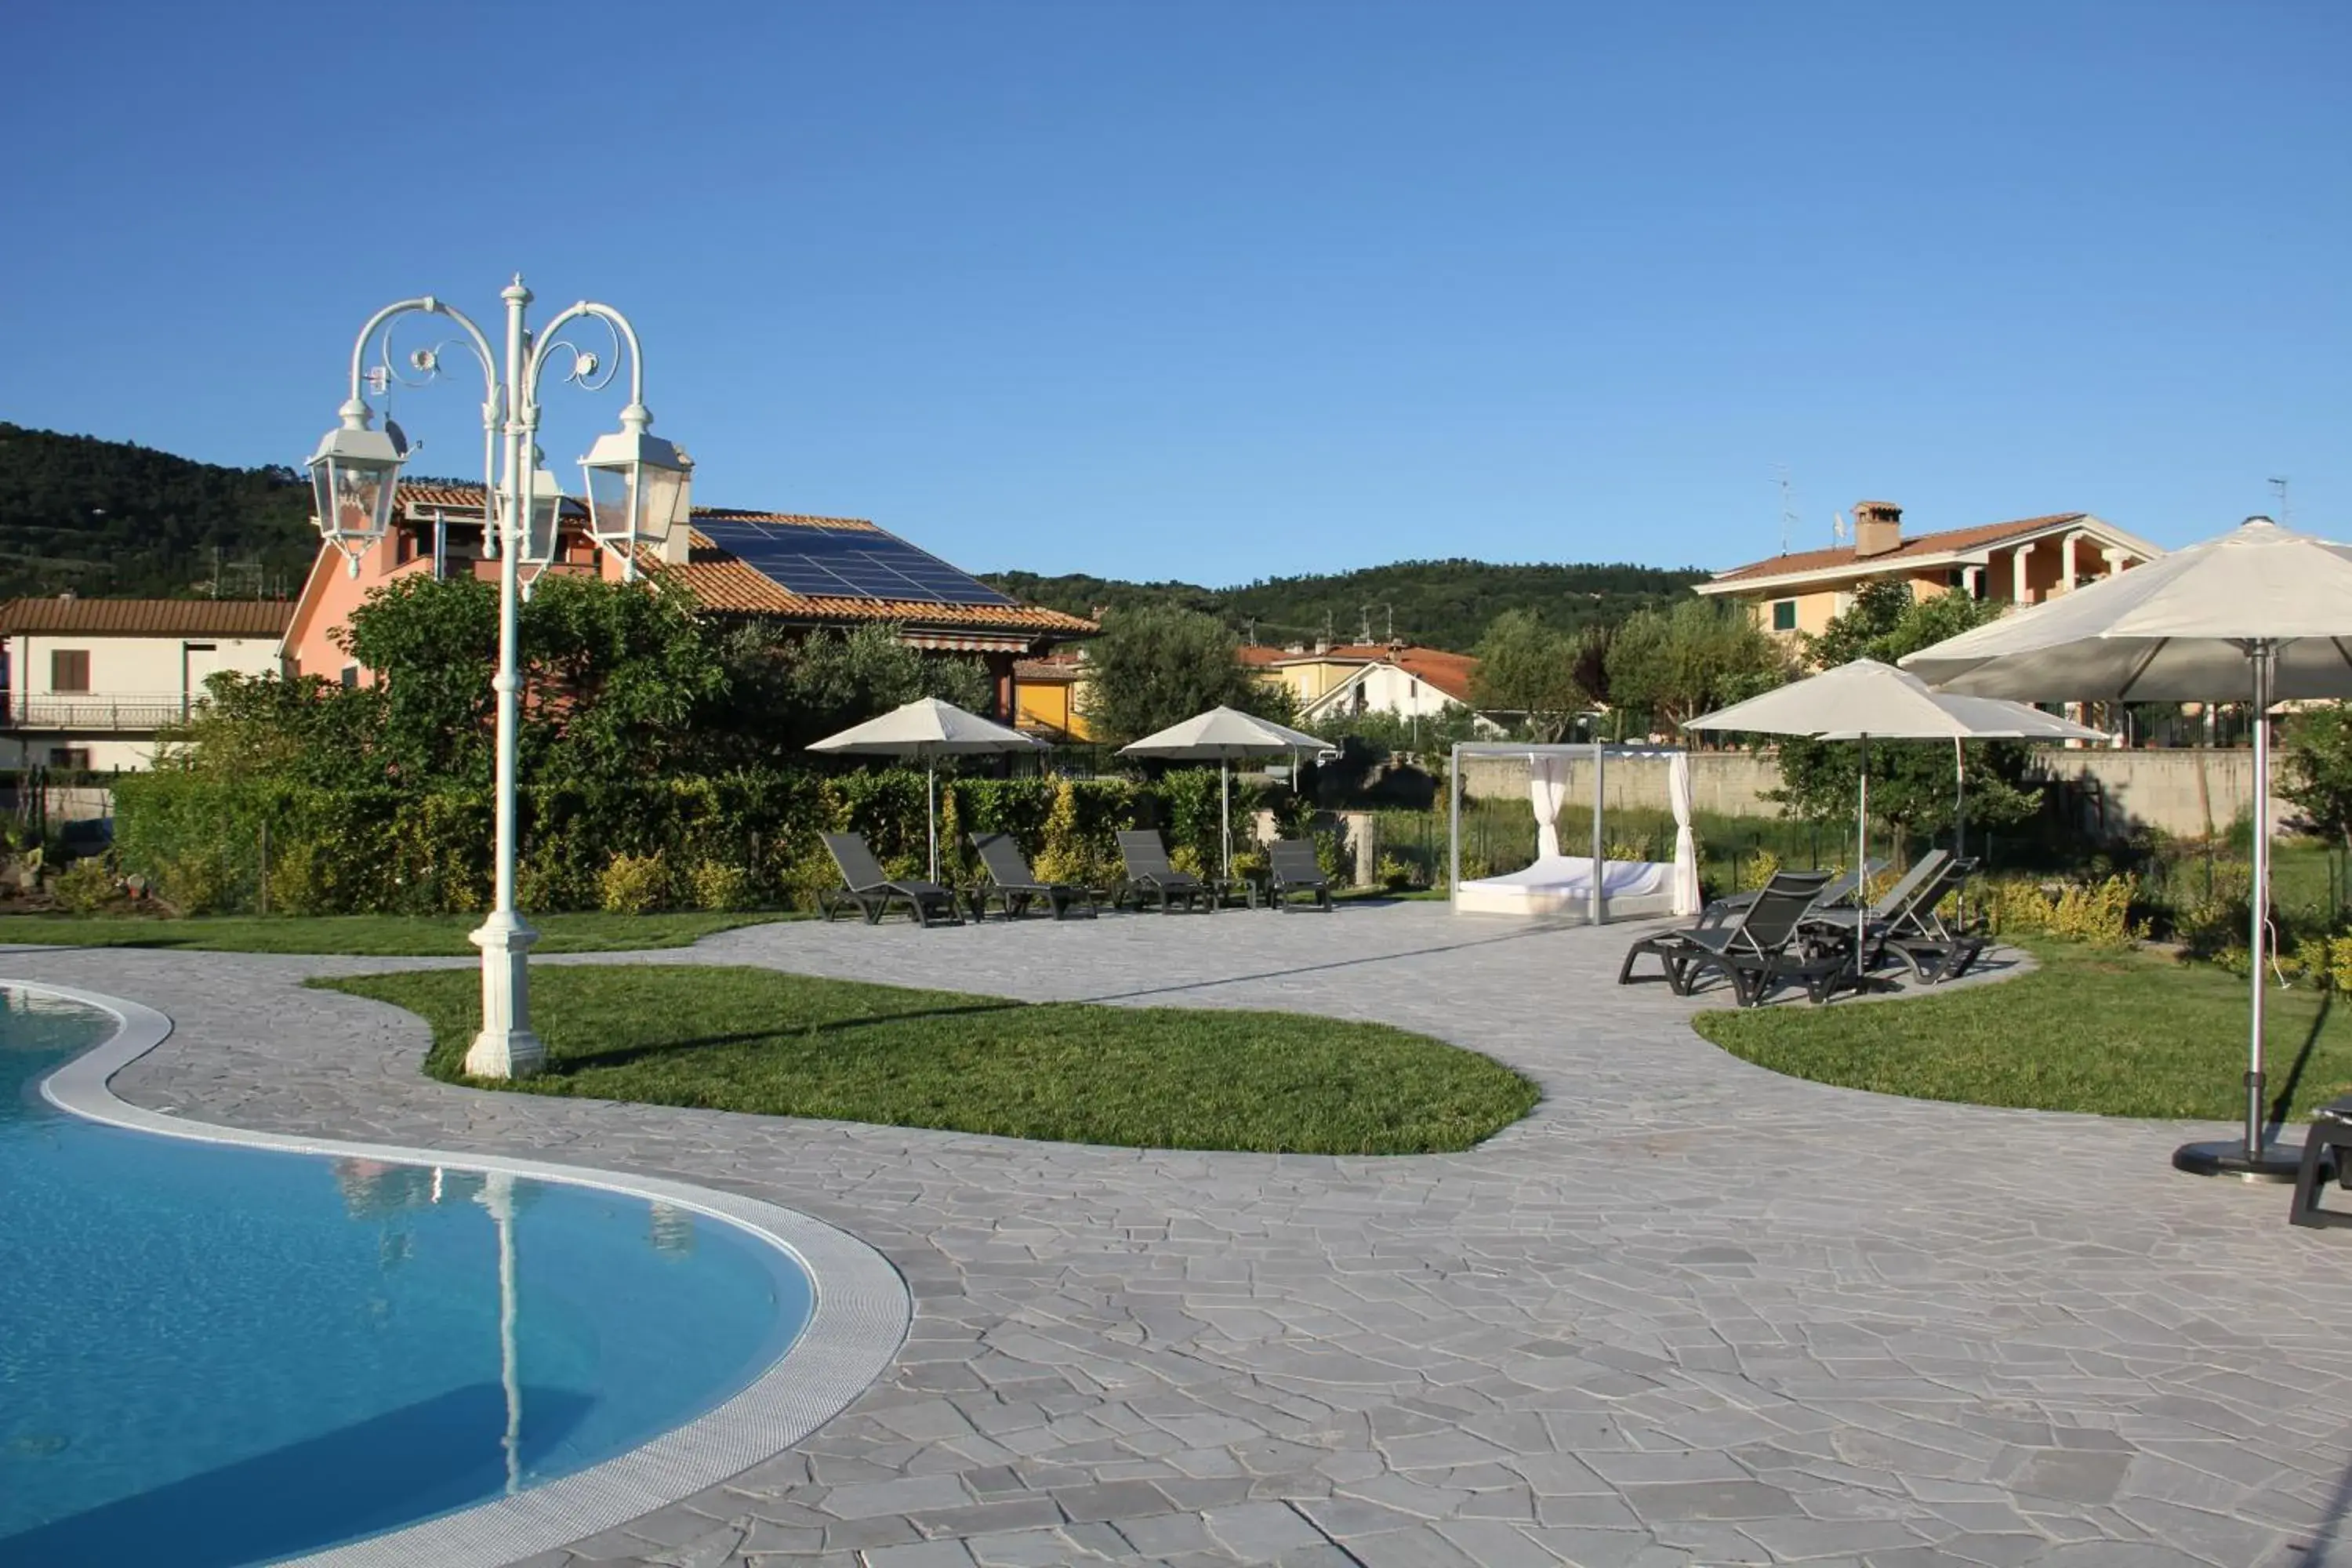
1150	875
1291	868
1757	946
1016	888
871	888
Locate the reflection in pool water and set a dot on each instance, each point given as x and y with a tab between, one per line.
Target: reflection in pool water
213	1355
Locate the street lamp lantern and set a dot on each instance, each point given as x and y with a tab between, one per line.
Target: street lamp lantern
539	542
636	487
354	475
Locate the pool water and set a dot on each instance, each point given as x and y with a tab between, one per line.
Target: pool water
212	1355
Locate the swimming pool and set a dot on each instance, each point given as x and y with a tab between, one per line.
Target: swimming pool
213	1355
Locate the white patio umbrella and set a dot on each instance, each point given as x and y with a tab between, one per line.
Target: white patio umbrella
1866	700
927	728
1221	735
2260	612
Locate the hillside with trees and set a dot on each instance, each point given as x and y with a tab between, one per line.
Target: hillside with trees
112	518
1437	604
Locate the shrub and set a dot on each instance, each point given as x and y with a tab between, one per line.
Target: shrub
633	884
197	882
722	885
2089	912
85	887
1395	875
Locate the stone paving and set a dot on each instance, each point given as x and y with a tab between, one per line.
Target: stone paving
1688	1314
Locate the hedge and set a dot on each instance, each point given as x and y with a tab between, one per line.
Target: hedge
744	839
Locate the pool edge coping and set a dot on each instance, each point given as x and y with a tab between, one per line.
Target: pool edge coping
859	1318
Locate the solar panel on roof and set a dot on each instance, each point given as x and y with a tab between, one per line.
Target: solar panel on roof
854	562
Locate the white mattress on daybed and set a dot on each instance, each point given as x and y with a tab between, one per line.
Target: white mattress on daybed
1562	885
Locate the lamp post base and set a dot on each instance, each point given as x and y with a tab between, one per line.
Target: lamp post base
506	1048
2228	1157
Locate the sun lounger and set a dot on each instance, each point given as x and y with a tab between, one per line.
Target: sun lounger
1835	894
1756	947
1016	888
1933	949
1152	877
1291	868
872	889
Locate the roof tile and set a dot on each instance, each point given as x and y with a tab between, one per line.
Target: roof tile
1923	545
148	617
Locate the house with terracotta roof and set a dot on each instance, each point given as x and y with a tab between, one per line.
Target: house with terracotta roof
90	681
2021	562
798	571
1355	679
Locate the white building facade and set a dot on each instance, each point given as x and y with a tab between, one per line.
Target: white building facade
90	681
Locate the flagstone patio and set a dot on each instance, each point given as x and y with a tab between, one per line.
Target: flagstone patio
1688	1314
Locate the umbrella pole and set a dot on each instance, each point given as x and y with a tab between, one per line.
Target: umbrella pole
2252	1157
932	810
1862	865
1225	812
1961	816
2258	936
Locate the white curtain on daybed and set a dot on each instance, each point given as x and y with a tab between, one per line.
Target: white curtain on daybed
1678	795
1547	790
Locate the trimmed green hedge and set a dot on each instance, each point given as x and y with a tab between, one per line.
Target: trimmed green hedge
215	846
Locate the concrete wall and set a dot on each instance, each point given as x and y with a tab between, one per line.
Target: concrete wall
2122	790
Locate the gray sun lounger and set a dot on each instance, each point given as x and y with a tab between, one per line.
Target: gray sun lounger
873	890
1292	868
1150	875
1016	889
1761	943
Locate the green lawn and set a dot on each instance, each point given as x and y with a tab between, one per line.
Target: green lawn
2114	1032
367	936
785	1044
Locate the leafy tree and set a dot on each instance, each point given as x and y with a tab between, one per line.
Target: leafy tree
1885	623
430	645
1912	785
616	675
307	730
1157	665
1679	663
2318	757
1525	666
784	688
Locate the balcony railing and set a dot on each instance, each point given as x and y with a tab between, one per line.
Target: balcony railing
101	711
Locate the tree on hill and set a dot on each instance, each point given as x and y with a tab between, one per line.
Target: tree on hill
102	518
1437	604
1157	665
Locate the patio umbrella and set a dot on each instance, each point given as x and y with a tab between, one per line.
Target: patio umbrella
2261	612
927	728
1865	699
1221	735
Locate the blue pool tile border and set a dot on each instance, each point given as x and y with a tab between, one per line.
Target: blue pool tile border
855	1328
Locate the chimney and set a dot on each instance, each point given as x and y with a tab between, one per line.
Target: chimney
1877	528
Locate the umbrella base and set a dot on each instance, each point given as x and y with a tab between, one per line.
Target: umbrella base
2228	1157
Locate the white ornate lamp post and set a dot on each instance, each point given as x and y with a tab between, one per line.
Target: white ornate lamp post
636	485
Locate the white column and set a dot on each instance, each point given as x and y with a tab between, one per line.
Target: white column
2066	564
507	1047
2017	560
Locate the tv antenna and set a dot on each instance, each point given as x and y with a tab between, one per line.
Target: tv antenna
2286	512
1788	507
1839	529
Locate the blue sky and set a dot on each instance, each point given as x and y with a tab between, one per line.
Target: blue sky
1223	291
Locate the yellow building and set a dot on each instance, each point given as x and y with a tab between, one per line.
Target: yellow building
2020	563
1046	700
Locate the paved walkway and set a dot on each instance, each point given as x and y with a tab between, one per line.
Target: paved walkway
1689	1313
